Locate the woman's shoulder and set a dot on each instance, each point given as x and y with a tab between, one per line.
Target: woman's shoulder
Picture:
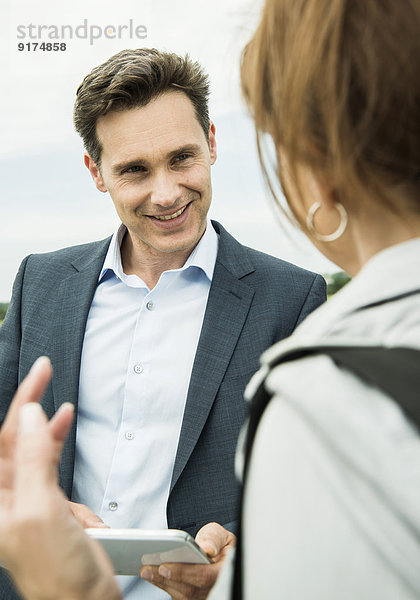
330	452
334	397
354	422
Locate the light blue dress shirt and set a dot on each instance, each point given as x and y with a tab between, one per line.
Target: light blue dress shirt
137	358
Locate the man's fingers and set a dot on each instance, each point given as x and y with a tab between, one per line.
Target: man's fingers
192	581
213	538
182	581
178	590
200	576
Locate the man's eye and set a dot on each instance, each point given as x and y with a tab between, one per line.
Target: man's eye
182	157
135	169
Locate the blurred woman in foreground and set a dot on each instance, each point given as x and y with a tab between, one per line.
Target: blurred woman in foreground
331	505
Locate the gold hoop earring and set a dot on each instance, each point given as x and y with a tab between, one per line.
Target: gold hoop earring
332	236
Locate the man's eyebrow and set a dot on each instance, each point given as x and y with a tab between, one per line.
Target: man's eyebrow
193	148
123	166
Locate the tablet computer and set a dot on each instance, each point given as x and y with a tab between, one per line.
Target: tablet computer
130	549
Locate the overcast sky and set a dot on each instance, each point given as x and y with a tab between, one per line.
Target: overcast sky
47	198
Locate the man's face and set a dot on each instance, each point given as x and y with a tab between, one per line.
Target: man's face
155	163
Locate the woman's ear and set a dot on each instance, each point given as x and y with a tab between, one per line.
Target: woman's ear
326	215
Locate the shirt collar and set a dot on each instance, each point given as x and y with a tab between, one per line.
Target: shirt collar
203	256
205	253
112	260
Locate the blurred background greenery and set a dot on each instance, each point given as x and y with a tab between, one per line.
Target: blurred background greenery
335	281
3	308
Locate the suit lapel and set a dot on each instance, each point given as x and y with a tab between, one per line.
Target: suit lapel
74	299
226	312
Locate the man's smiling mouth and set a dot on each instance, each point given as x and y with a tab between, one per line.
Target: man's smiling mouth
170	217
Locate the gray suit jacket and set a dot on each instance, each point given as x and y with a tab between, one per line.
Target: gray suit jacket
254	301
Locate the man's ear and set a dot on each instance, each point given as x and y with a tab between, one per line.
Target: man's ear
95	173
212	143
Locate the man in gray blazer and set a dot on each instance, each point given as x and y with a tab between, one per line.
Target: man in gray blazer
154	333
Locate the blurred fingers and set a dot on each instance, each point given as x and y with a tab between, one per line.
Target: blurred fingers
30	390
35	460
60	423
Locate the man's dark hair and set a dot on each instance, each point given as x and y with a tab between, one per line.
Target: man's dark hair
132	78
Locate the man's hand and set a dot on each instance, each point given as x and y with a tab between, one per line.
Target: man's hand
85	516
184	581
42	545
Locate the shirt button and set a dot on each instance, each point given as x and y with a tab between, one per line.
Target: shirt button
138	368
129	435
150	306
112	506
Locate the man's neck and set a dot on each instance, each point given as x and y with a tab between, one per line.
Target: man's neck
149	265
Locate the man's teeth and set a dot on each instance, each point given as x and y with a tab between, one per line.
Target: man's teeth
169	217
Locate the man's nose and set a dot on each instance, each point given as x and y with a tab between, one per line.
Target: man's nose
165	189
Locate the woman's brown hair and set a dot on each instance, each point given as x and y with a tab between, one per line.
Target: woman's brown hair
336	83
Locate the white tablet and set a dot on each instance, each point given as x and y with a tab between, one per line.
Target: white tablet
130	549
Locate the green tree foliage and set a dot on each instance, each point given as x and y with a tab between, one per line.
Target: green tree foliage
335	281
3	308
